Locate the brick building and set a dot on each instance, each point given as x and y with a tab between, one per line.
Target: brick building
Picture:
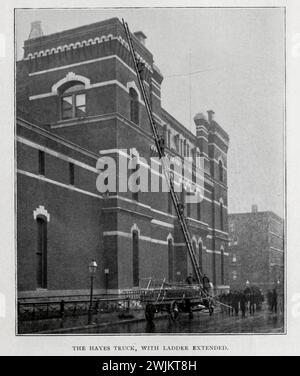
77	99
256	246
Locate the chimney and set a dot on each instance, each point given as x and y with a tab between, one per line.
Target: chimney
141	37
254	208
200	119
210	114
36	30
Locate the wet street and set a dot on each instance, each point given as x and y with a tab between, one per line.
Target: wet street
261	322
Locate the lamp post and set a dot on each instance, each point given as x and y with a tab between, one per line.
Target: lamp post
92	269
106	272
247	283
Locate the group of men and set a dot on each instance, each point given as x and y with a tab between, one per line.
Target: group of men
247	300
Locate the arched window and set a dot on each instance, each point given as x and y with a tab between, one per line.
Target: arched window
41	254
134	106
222	267
190	267
221	171
72	100
171	259
183	198
135	195
221	217
135	259
184	148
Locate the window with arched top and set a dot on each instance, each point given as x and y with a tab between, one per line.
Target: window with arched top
221	171
221	216
72	100
222	267
41	254
134	106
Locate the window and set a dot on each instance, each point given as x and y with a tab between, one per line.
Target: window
221	171
165	133
135	259
169	138
170	203
73	103
134	106
221	217
171	260
199	211
188	209
183	198
72	173
222	267
41	254
233	258
135	195
201	256
234	275
41	162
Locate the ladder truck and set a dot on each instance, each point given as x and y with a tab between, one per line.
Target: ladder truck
168	175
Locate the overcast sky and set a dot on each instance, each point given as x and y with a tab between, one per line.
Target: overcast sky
236	57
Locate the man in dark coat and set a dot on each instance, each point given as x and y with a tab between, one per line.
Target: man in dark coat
206	285
141	69
243	302
235	302
274	301
190	279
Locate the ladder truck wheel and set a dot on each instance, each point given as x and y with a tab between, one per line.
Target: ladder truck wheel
174	311
149	313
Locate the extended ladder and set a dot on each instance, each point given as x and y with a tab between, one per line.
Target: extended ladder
169	179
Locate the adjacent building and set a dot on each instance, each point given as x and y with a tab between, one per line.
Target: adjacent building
78	99
256	247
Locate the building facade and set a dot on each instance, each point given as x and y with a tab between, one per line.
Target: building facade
256	246
78	99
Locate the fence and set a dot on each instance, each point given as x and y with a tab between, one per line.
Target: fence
41	310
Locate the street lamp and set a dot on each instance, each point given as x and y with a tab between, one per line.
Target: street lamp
92	269
106	272
247	283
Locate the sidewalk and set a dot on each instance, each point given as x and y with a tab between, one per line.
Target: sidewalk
79	323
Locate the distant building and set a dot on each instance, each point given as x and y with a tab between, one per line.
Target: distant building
256	248
78	98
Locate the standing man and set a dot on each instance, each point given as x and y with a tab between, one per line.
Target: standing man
161	143
274	301
205	282
190	279
243	303
141	69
